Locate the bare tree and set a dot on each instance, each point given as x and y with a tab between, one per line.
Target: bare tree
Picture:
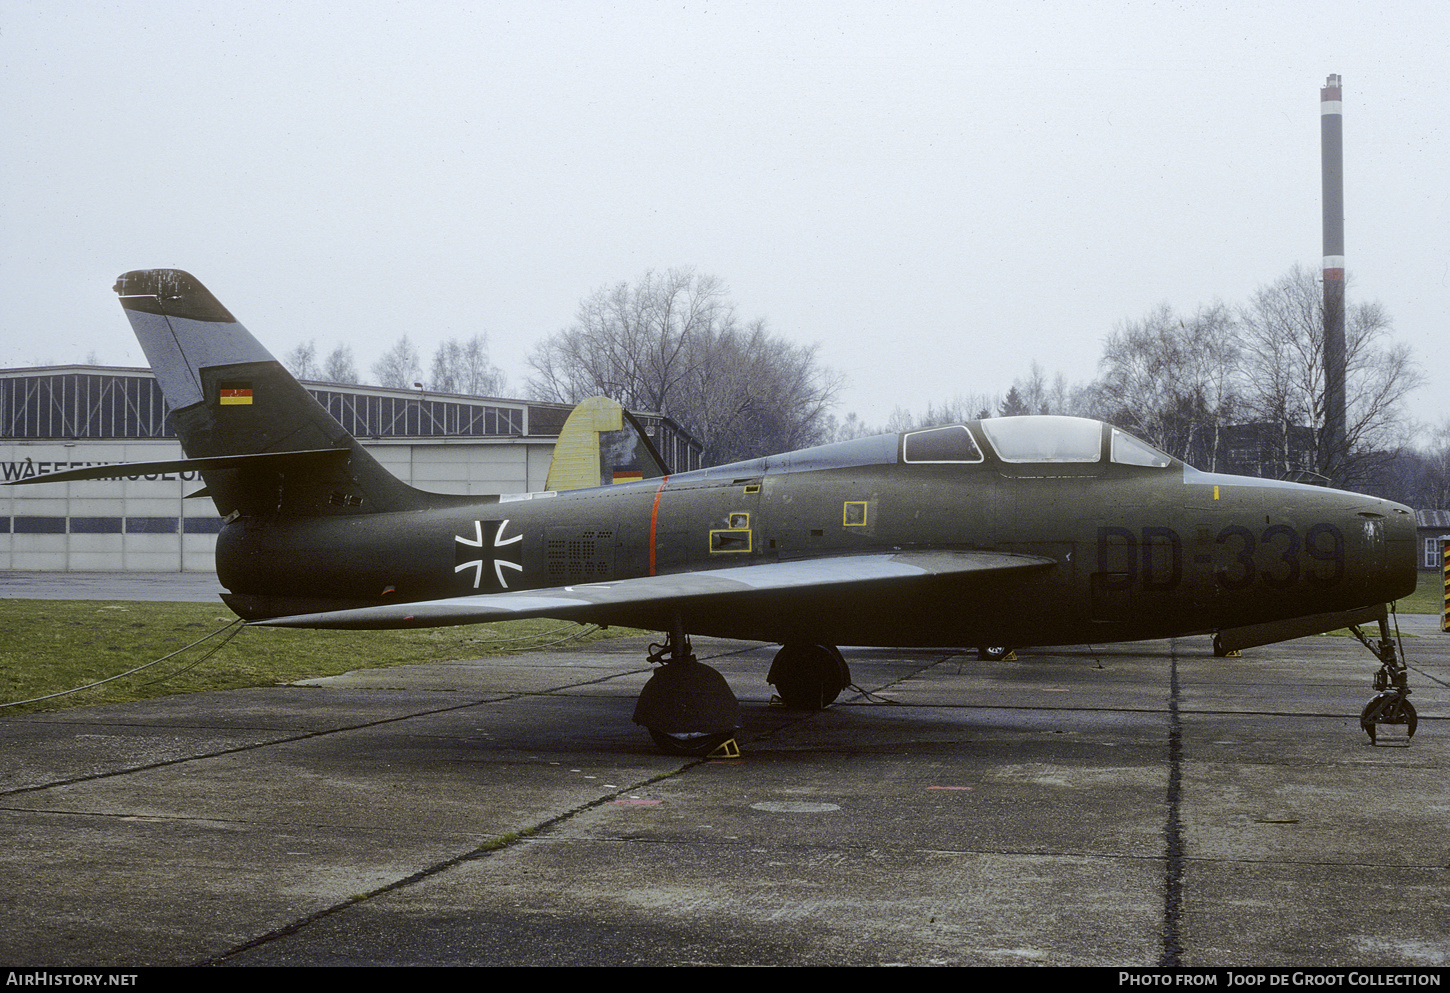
671	343
962	407
339	367
464	367
1434	486
747	393
399	367
301	362
901	420
1209	397
848	427
1171	380
630	342
1033	394
1137	371
1033	390
1281	335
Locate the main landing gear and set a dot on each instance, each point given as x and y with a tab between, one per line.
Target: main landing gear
808	677
686	706
1390	705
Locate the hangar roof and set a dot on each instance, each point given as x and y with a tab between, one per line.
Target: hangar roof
88	402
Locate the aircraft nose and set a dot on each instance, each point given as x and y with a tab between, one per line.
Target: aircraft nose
1390	530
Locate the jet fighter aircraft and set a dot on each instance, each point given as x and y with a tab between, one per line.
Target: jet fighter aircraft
1012	531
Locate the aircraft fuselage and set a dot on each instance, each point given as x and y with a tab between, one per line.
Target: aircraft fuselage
1135	551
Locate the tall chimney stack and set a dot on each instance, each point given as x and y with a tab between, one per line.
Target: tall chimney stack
1331	146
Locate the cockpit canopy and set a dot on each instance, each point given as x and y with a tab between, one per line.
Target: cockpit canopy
1132	451
1036	439
1045	439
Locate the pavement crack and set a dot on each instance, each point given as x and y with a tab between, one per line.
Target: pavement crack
291	738
489	847
1173	828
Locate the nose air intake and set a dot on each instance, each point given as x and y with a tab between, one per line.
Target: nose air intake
1393	570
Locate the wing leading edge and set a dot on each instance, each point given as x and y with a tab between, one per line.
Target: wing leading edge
649	601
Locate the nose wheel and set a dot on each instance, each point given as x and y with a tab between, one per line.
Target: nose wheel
1389	707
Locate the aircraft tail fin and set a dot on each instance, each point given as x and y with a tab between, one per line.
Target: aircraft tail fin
602	443
229	397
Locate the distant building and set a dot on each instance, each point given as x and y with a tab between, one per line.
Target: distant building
1266	450
1263	449
1430	527
62	417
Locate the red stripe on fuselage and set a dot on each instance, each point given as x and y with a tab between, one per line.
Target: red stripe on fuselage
654	516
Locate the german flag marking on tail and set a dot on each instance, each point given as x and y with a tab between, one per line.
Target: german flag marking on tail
233	394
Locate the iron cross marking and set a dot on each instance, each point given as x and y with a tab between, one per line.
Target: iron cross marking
504	556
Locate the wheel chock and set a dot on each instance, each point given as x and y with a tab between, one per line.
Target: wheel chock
727	749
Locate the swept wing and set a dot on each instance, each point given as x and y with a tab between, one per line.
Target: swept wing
637	601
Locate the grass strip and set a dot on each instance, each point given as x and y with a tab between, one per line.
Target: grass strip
54	645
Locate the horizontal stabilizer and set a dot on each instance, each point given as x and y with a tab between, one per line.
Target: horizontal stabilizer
274	461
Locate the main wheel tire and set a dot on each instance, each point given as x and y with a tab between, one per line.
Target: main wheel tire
993	653
807	677
843	672
689	743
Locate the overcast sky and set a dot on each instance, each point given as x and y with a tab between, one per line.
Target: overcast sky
934	194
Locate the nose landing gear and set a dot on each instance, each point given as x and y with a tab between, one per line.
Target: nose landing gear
1390	706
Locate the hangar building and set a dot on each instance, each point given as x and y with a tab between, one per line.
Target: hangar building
63	417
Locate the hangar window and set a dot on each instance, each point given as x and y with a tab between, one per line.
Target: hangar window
1045	438
951	444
